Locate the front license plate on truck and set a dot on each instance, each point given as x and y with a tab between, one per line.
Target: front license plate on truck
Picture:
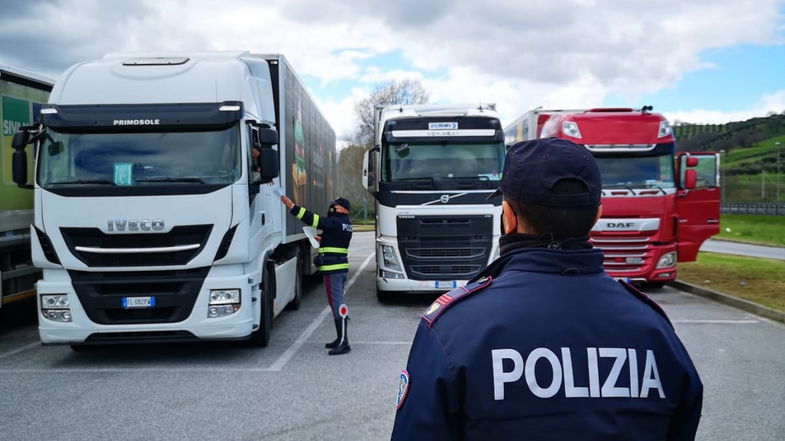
446	284
138	302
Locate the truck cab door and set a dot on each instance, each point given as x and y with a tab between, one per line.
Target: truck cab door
698	208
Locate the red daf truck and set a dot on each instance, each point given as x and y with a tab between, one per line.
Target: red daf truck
658	205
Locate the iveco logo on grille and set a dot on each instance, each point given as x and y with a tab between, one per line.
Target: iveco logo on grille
135	225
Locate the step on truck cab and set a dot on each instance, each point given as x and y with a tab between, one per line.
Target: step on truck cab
431	170
659	205
156	217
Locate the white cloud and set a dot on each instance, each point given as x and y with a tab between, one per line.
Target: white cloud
774	102
519	54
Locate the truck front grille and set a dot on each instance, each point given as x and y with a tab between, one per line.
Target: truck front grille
101	294
445	247
624	254
94	238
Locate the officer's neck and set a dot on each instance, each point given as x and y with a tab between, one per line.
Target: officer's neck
515	241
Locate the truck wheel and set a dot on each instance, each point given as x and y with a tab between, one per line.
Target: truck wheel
261	337
294	305
82	348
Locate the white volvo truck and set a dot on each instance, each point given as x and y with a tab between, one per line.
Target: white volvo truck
153	221
431	170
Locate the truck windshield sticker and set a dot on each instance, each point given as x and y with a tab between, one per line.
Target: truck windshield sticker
123	173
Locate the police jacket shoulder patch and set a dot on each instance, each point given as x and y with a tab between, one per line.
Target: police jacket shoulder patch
646	299
450	298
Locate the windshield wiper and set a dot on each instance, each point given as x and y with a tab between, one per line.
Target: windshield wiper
194	180
473	178
621	185
84	181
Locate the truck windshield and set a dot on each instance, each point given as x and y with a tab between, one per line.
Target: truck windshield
442	161
636	172
139	159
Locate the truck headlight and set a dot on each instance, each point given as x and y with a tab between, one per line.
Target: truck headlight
389	258
570	128
223	302
665	129
667	260
56	307
390	274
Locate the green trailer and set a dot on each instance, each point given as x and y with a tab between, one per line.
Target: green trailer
21	96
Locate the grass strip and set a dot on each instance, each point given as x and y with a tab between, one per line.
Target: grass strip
758	280
764	230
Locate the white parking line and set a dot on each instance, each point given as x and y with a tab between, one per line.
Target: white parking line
720	322
291	350
21	349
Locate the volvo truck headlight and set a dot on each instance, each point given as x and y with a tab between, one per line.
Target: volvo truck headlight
56	307
223	302
667	260
389	257
570	128
665	129
390	274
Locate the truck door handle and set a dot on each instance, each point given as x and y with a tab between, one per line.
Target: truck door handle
712	221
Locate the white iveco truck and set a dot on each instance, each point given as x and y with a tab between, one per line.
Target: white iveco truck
431	170
153	219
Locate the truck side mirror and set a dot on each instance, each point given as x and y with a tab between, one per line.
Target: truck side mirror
268	137
268	164
690	177
692	161
20	140
19	166
370	170
365	169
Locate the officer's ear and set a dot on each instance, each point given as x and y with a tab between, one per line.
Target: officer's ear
509	218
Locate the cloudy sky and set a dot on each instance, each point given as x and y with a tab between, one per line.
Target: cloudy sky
694	60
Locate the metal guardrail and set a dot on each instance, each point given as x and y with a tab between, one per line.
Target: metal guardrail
759	208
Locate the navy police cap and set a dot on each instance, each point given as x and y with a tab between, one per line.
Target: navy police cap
343	202
532	168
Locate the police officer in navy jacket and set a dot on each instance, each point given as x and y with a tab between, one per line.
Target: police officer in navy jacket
332	262
543	345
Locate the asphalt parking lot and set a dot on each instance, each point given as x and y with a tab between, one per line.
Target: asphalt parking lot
292	390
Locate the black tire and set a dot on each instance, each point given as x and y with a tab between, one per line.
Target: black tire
261	337
294	305
82	348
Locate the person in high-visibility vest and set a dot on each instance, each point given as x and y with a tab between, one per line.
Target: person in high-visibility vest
332	261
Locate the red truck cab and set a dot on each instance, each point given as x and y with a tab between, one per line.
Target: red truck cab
658	205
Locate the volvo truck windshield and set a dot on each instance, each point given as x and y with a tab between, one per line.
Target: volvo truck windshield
140	159
443	161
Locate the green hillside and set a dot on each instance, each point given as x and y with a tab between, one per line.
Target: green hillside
749	155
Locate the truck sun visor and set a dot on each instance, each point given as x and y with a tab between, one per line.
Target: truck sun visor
103	118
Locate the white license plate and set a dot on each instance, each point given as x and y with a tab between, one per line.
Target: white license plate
138	302
446	284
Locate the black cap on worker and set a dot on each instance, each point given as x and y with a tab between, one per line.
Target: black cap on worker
532	168
343	202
